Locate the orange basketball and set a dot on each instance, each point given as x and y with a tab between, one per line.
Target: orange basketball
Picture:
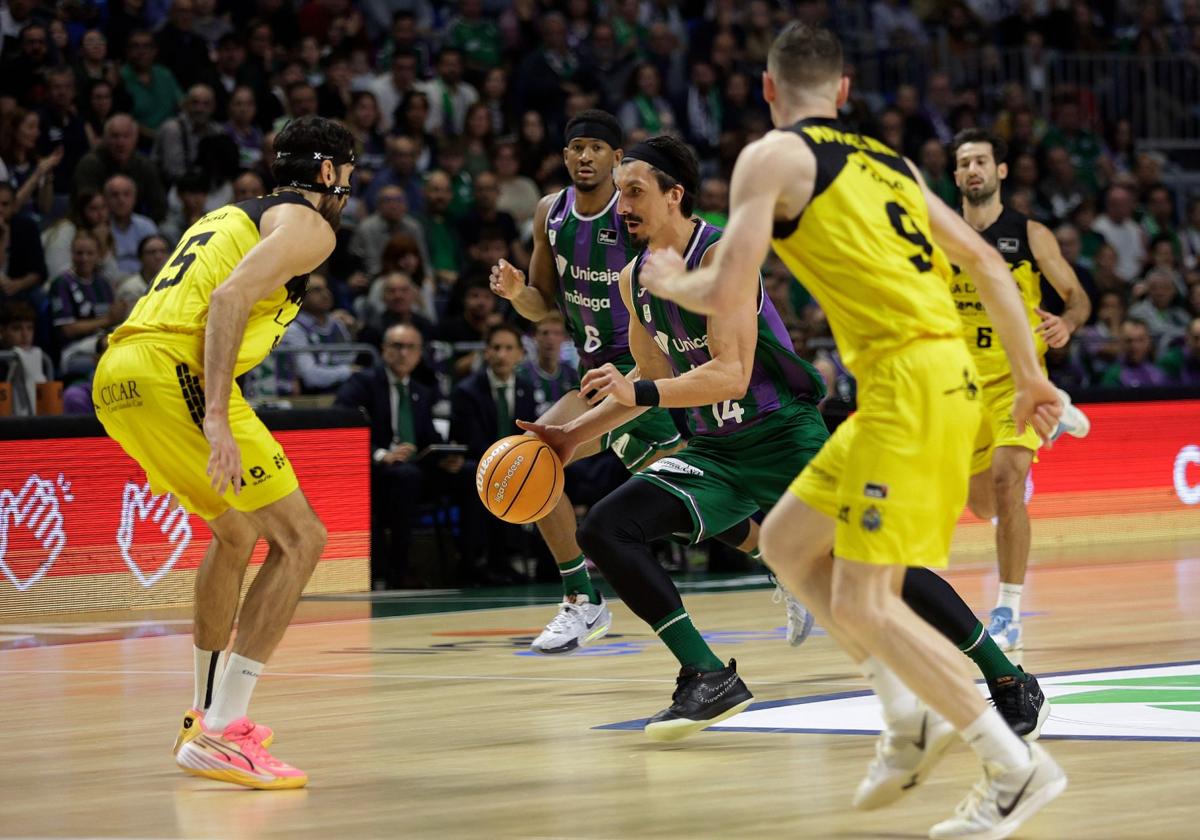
520	479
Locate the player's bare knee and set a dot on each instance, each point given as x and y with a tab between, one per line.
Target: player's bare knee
317	537
1009	482
312	543
983	508
846	608
300	542
784	550
775	543
235	536
859	602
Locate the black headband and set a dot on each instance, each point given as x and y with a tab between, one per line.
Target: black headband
338	160
335	189
594	129
653	157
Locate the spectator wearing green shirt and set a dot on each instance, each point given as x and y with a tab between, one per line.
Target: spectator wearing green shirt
1082	145
476	36
1082	218
449	96
712	205
937	176
630	32
452	159
151	87
441	234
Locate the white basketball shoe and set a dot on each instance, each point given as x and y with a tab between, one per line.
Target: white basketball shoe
578	622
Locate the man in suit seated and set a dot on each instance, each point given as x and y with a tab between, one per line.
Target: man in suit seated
401	413
484	407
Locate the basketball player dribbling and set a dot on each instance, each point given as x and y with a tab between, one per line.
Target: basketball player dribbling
853	220
579	247
751	411
215	311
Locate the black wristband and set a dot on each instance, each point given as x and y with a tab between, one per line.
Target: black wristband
645	392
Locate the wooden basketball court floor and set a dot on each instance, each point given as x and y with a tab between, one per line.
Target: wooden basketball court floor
414	723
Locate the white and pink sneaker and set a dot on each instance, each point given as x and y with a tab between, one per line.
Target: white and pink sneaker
237	755
190	728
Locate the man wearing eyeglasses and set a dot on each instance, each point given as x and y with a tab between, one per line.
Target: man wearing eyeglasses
401	413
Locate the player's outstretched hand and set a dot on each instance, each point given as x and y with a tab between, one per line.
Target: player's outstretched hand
1037	402
224	459
660	266
607	381
507	280
556	437
1053	329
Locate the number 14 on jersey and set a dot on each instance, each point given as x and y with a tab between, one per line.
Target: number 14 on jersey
727	412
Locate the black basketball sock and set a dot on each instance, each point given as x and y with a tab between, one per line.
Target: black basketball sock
934	599
616	535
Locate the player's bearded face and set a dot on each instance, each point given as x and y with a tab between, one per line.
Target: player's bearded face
977	174
637	231
643	206
330	208
979	189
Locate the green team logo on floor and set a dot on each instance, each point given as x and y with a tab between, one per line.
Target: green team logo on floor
1149	703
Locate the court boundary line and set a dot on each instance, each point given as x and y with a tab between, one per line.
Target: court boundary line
112	672
969	570
639	724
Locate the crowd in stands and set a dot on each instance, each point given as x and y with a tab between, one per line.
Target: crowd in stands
122	122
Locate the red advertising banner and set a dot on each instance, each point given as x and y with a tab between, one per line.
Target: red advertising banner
1135	477
80	528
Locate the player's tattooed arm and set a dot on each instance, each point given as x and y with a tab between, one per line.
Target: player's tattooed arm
772	180
533	300
1057	329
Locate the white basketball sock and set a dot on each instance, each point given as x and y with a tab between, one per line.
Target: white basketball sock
233	694
207	667
897	698
995	743
1010	596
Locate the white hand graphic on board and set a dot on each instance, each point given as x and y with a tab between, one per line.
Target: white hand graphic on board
138	504
36	507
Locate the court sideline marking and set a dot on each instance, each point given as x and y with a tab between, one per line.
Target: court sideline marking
479	677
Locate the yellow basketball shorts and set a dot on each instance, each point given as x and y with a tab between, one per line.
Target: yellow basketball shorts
894	475
150	399
996	427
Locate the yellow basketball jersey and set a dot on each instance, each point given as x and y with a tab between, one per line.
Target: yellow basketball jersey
1009	234
175	308
862	248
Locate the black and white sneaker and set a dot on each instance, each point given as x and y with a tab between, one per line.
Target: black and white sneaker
1021	703
701	699
577	623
